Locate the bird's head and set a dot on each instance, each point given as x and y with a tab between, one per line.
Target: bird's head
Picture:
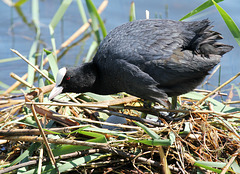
78	80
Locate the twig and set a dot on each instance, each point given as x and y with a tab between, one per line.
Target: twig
210	76
218	88
16	77
231	102
98	122
208	91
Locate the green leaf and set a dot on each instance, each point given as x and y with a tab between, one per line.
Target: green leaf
49	169
96	17
40	78
106	131
53	64
91	51
187	128
132	15
20	2
148	131
209	165
230	23
65	149
82	11
24	157
99	97
55	20
160	142
202	7
32	54
155	142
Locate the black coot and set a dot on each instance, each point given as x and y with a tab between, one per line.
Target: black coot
150	59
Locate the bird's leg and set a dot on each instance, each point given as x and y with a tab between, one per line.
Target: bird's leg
146	104
168	116
174	102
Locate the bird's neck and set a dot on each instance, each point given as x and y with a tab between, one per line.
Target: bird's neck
85	78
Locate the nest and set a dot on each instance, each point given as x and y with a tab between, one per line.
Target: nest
69	134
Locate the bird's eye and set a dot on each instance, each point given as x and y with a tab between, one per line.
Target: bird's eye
68	78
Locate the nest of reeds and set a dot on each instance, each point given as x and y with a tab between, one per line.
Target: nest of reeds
69	134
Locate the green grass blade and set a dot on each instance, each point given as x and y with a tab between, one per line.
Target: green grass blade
132	15
20	2
32	55
55	20
91	51
40	78
200	8
187	128
53	63
95	16
9	59
25	155
148	131
59	14
97	97
3	85
165	142
209	165
82	11
49	169
230	23
159	142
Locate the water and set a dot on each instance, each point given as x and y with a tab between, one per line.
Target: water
17	32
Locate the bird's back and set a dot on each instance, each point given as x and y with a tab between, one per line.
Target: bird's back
175	55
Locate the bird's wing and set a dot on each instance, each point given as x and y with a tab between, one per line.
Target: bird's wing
131	79
180	67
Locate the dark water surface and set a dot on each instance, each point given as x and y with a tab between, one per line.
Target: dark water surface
17	31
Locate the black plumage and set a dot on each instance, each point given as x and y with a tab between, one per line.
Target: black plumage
150	59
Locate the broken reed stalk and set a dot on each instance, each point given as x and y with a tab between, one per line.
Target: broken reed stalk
22	132
65	44
16	77
200	102
231	102
94	121
57	141
35	67
210	76
49	150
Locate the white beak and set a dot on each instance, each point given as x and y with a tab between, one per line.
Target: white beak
56	90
